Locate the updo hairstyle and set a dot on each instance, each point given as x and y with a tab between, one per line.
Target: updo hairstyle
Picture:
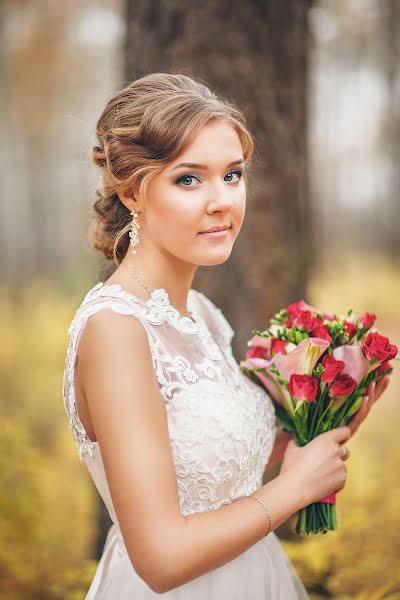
144	127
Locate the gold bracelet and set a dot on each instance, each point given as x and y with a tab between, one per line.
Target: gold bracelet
269	514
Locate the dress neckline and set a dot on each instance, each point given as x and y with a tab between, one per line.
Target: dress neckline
158	309
159	296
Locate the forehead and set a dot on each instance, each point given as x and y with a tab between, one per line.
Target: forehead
216	142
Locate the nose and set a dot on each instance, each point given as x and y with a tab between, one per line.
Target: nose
221	198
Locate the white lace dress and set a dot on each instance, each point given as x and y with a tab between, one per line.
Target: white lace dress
222	430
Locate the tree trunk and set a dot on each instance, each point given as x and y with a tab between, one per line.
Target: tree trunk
255	53
391	237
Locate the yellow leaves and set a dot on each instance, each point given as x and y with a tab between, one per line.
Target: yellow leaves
361	560
47	500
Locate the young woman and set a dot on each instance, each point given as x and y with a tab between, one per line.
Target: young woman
175	437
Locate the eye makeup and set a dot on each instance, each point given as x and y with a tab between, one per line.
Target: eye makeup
182	178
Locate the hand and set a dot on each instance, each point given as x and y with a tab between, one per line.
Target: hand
374	391
318	468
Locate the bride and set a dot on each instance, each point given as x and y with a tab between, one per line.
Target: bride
175	437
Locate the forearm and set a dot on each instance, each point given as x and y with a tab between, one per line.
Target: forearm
211	539
281	441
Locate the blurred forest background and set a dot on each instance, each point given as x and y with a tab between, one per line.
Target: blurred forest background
320	84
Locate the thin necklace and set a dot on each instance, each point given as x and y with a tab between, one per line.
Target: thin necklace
147	289
137	278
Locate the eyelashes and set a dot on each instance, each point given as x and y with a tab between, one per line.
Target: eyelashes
183	180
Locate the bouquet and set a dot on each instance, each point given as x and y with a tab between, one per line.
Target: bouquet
317	367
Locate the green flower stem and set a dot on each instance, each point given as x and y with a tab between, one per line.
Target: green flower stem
321	402
341	415
319	426
316	411
275	383
316	518
300	428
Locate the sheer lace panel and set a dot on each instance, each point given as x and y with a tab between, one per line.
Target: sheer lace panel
221	425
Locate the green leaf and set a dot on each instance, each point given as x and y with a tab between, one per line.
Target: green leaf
355	407
285	419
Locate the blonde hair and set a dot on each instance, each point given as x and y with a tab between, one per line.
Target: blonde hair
143	127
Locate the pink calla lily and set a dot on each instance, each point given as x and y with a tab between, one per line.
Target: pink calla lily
303	359
277	393
259	340
356	363
255	361
300	361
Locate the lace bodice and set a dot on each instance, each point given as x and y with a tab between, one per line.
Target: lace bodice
221	424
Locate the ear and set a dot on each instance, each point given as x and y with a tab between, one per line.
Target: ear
129	199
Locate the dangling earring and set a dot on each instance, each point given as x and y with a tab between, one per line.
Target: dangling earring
134	231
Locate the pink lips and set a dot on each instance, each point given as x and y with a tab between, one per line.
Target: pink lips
217	234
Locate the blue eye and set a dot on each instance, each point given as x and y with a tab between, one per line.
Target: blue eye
238	172
186	180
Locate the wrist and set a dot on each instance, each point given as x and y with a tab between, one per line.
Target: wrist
294	489
282	439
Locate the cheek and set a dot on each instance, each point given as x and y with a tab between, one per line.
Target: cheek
170	210
241	207
179	223
184	217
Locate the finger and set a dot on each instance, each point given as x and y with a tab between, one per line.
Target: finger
381	386
371	391
341	434
363	410
359	416
368	403
344	452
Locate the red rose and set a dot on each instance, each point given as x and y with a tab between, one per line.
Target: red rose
288	323
366	320
385	366
378	346
350	328
303	387
278	346
332	367
293	310
322	331
306	319
343	385
257	352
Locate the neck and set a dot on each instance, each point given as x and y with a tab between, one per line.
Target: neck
167	272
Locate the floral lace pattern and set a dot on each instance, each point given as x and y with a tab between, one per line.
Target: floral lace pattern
221	424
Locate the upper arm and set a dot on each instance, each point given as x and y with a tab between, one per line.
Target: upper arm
129	418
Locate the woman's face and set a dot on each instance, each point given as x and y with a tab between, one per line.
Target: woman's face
183	201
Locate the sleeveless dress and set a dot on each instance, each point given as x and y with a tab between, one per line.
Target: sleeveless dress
222	430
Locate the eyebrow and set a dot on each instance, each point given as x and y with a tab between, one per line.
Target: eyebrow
204	167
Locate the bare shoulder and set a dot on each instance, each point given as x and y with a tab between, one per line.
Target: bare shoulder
129	418
108	326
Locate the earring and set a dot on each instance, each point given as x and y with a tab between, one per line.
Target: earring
134	231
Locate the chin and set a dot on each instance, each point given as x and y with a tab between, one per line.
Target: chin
216	259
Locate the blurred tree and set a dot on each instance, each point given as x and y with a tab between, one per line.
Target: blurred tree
256	54
391	35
